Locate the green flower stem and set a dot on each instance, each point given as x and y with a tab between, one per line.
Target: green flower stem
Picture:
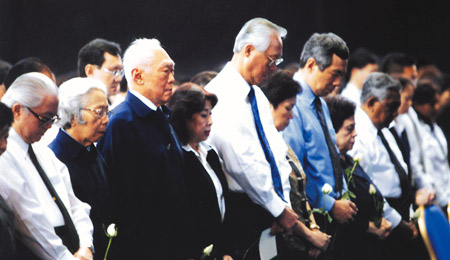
107	249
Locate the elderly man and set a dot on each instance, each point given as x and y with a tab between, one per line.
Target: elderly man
54	224
310	134
145	159
100	59
382	160
245	137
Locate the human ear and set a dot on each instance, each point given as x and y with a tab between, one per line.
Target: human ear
136	75
89	69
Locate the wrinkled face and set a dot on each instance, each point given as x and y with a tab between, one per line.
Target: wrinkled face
3	138
382	113
199	126
259	66
324	82
158	81
283	113
406	99
345	137
27	125
96	123
105	73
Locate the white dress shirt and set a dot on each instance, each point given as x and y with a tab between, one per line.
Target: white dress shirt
376	162
235	138
410	122
352	92
204	149
435	153
36	213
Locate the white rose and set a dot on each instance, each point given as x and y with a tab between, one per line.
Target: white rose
357	158
372	190
112	230
326	189
208	249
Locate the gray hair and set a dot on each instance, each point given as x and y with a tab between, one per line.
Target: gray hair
74	95
29	90
377	85
321	47
257	32
139	54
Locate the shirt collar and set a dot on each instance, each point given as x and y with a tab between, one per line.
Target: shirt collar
241	88
307	93
144	100
22	145
363	121
203	148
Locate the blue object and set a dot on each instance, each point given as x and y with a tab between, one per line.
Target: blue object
435	230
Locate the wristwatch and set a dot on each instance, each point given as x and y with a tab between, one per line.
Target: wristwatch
314	226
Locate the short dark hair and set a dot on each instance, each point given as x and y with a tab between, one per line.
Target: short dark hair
280	86
6	115
188	100
405	82
360	58
424	94
4	69
30	64
340	109
395	62
321	47
93	53
204	77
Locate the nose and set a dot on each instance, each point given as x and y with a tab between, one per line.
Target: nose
291	114
105	119
172	77
210	121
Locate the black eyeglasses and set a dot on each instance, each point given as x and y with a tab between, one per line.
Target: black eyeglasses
275	62
43	121
115	73
100	112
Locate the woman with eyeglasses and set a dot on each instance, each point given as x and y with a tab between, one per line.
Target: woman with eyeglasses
83	109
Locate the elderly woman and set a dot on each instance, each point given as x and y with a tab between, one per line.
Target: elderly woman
281	91
206	185
369	226
83	109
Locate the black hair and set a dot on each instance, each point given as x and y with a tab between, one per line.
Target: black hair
340	109
6	115
424	94
93	53
395	62
30	64
4	69
204	77
280	86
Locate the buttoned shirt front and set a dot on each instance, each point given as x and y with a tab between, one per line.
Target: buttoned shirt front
36	213
235	138
305	136
376	162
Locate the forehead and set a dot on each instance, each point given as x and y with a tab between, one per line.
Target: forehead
111	60
276	45
337	64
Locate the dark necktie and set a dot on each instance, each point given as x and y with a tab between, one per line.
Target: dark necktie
335	160
398	168
403	144
71	239
265	145
174	143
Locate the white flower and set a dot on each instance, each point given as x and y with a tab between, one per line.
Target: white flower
112	230
372	190
327	188
207	251
357	158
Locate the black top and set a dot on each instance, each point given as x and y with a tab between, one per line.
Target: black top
88	174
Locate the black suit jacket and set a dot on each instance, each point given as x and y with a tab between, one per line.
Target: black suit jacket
204	208
147	183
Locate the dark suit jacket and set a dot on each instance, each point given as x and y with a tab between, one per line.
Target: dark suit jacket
147	183
205	214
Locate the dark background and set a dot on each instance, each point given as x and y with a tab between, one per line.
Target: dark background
199	34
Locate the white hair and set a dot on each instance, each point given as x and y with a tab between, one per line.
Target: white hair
29	90
257	32
140	54
73	95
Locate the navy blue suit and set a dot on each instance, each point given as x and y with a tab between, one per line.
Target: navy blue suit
147	183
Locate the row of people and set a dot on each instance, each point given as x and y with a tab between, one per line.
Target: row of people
155	176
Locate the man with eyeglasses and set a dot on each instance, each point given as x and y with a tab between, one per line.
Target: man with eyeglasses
101	59
53	223
244	135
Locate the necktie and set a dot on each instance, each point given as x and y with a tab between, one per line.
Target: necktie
71	239
174	139
403	144
335	160
398	168
265	145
